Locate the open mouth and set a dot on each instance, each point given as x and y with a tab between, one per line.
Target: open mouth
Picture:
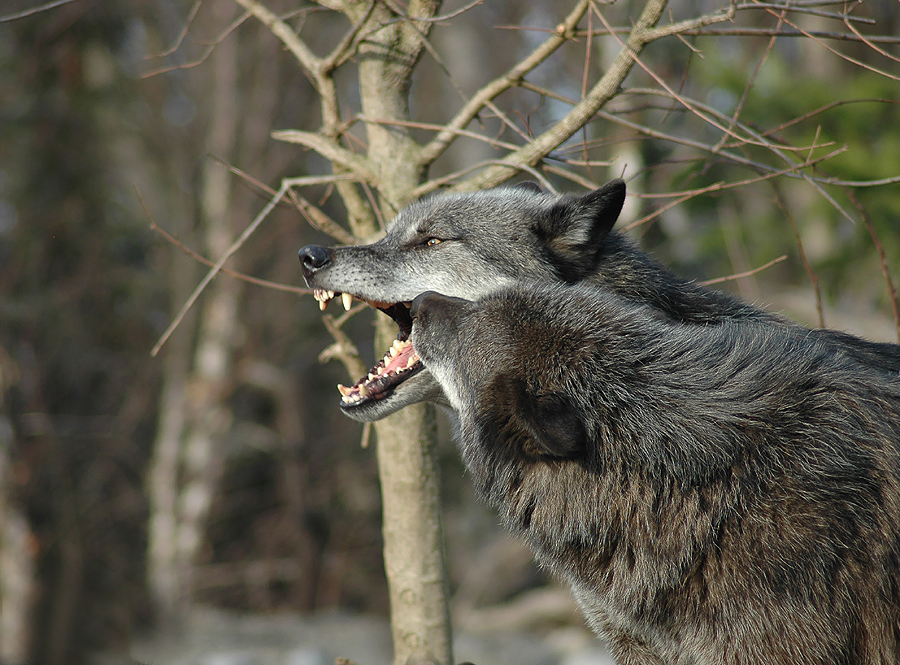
399	363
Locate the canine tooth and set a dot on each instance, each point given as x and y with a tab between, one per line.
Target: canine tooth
347	300
322	305
344	390
363	391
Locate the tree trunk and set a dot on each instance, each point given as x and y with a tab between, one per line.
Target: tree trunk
194	414
408	469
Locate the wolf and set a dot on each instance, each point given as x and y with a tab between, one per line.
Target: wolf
712	494
469	244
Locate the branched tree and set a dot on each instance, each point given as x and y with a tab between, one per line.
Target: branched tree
676	99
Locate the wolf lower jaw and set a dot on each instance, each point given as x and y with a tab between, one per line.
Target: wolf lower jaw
398	380
420	387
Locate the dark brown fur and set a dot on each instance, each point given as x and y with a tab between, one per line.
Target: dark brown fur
713	495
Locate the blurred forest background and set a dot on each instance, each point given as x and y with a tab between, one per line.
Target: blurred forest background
116	114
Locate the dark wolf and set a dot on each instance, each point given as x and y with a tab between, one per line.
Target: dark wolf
467	245
713	494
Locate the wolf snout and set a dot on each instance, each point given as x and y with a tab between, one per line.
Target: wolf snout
313	258
419	300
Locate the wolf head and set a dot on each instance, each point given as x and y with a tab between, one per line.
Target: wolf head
509	366
462	245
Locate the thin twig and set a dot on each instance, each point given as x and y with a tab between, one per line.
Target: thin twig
310	62
764	32
217	267
34	10
494	143
758	139
743	100
741	275
358	165
348	44
184	32
605	89
436	147
233	273
715	187
813	277
343	349
209	49
854	61
882	257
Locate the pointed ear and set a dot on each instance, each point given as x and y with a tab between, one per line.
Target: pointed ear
603	207
555	423
528	186
590	218
574	228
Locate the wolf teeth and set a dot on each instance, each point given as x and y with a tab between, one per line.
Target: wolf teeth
324	297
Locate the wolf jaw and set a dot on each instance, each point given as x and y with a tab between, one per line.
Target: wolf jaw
399	363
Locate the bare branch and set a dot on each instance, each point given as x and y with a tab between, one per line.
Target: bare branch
849	59
168	237
494	143
343	348
209	49
358	165
310	62
217	267
741	275
692	24
184	32
319	220
348	44
35	10
805	9
718	187
511	169
885	271
600	94
436	147
763	32
202	259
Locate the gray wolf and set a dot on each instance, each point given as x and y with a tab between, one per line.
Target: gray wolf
712	494
469	244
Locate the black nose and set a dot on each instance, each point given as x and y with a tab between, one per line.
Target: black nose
313	258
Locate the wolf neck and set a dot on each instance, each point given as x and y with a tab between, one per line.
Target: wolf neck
607	524
636	277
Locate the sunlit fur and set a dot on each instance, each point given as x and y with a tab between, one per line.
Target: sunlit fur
713	494
511	235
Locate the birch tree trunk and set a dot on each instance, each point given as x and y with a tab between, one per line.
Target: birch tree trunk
408	468
194	413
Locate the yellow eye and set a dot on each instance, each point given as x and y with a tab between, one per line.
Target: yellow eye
432	241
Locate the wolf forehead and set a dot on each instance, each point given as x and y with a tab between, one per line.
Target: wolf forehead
483	209
507	326
520	219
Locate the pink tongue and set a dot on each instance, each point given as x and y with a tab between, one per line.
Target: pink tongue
399	361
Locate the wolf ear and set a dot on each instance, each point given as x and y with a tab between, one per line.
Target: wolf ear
574	228
555	423
602	207
528	186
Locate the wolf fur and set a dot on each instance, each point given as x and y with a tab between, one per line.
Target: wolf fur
469	244
713	494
